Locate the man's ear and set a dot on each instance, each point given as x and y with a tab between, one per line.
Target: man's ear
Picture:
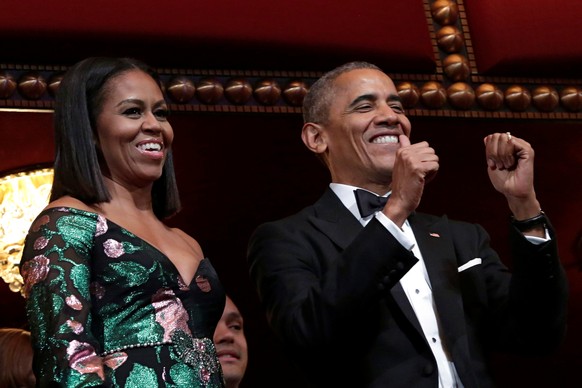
312	136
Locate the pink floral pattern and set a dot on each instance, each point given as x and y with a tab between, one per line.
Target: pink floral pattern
40	221
83	359
115	360
40	243
182	285
33	272
101	226
113	248
76	327
170	313
74	302
203	283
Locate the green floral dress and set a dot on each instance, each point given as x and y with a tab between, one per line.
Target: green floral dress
108	309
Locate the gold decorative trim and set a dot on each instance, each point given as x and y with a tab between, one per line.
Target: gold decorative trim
469	94
22	196
456	89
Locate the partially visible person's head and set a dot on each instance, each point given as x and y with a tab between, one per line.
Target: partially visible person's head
16	359
353	120
231	345
84	89
318	100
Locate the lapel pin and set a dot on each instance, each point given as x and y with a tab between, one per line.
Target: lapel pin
434	234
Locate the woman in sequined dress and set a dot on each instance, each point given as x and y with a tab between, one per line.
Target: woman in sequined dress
114	296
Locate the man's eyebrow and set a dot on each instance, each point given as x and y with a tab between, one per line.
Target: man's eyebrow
363	97
373	97
394	97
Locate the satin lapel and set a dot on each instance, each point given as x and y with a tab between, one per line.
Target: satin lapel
402	301
334	220
438	253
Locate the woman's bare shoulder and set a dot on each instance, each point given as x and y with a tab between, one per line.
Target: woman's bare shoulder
68	201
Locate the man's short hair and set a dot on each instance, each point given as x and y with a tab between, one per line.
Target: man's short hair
317	102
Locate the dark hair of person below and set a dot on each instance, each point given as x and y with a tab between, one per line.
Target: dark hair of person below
16	359
78	103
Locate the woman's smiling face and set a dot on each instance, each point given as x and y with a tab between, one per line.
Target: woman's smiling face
133	132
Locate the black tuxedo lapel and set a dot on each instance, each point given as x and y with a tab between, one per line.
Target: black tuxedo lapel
438	253
402	300
334	220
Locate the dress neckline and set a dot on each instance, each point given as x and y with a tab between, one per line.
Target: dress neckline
166	257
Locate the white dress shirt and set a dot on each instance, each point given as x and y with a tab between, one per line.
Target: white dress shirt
416	285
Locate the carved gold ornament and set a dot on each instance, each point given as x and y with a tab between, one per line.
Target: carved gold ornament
22	196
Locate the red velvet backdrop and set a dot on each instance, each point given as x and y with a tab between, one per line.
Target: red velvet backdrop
258	34
526	38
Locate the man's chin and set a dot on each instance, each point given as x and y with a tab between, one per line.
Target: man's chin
232	374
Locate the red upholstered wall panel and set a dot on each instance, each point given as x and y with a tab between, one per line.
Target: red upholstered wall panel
526	38
376	29
26	140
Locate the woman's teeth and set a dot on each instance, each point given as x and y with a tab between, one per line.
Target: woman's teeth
150	147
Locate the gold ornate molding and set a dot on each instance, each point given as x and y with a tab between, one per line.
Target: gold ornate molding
456	89
470	94
22	196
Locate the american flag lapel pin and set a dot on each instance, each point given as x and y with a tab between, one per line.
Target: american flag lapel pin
433	234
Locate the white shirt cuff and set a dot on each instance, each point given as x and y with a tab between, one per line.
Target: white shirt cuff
398	234
537	240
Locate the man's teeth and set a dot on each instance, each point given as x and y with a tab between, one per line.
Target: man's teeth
150	147
385	139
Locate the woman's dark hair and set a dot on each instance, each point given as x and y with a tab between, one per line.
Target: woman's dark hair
79	102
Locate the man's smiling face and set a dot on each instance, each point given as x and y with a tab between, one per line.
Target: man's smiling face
365	119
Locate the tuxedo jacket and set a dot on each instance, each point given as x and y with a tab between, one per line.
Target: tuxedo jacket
330	288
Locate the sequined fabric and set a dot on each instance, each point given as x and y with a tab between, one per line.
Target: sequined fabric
107	309
196	352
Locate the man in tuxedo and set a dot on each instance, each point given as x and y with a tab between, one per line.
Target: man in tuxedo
367	292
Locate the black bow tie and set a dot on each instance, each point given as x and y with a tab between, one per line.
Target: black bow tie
368	203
